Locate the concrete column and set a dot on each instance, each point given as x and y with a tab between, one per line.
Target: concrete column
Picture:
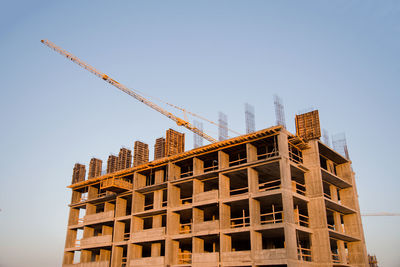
109	206
252	176
116	256
158	198
251	151
76	196
156	249
224	216
174	172
198	215
119	230
174	197
68	257
137	225
135	251
139	180
121	205
105	255
71	238
157	221
93	192
226	243
73	216
316	206
198	245
223	160
224	186
138	200
159	176
198	166
198	186
86	255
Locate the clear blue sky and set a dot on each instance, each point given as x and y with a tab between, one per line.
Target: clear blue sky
341	57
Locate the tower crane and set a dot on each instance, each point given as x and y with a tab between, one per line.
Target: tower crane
180	122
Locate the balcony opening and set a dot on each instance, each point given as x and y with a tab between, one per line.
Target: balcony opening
330	219
304	252
146	250
147	222
77	257
327	190
298	182
124	259
237	155
301	213
334	250
240	241
128	209
328	164
271	210
149	201
127	230
273	239
239	211
210	162
186	167
238	183
185	251
186	192
211	243
164	198
295	154
210	184
211	212
267	148
185	221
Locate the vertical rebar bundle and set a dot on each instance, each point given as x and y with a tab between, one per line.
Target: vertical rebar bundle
279	111
340	145
325	137
250	118
223	126
197	139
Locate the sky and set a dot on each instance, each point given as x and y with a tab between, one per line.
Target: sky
340	57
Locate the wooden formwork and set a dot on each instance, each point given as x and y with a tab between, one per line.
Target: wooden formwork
124	158
79	173
112	164
141	153
307	125
174	143
159	148
95	168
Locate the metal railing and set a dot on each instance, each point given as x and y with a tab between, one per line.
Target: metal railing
302	220
127	236
149	206
270	185
211	168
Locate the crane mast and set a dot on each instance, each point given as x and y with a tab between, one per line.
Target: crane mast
123	88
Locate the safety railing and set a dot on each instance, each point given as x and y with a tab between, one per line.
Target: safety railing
185	228
331	226
186	174
295	154
299	188
270	185
239	191
149	206
302	220
124	261
164	203
184	257
211	168
267	155
237	162
304	254
271	217
240	222
335	257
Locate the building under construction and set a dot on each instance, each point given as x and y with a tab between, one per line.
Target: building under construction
267	198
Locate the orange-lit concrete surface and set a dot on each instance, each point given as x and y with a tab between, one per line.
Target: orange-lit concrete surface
268	198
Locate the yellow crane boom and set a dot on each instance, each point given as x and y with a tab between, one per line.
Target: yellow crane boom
123	88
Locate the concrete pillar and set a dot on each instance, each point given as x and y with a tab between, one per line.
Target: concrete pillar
252	176
105	255
157	221
73	216
223	160
198	186
68	257
198	166
198	215
120	209
226	243
224	186
139	180
116	256
159	176
174	172
76	196
93	192
119	230
138	200
174	198
198	245
156	249
224	216
251	151
158	198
